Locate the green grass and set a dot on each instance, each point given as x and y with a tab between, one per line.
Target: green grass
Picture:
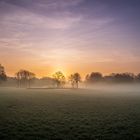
33	114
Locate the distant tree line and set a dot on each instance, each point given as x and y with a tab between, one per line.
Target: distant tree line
25	78
96	77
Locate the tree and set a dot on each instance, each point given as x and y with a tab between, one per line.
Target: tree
71	79
94	77
59	79
3	76
24	78
75	79
87	77
138	78
122	77
47	81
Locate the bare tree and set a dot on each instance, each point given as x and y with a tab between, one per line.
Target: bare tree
94	77
137	78
3	76
122	77
59	79
75	79
24	78
71	79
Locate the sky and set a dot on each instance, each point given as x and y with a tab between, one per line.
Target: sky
44	36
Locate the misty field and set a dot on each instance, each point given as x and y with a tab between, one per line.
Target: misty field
70	114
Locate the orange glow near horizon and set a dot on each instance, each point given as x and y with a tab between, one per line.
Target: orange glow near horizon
44	71
69	36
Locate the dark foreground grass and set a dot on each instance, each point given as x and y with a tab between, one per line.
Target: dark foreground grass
29	114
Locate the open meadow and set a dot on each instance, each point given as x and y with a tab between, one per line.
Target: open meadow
70	114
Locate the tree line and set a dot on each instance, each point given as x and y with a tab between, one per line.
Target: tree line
25	78
96	77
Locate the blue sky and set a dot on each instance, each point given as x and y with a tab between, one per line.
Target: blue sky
70	35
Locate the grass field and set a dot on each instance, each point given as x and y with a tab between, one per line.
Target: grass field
34	114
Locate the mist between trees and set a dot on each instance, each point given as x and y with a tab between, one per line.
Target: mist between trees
27	79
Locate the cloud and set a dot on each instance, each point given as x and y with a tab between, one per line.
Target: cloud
42	7
64	32
59	3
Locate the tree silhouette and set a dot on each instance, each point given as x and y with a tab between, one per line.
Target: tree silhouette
87	77
24	78
71	79
94	77
3	76
138	78
75	79
112	78
59	79
122	77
